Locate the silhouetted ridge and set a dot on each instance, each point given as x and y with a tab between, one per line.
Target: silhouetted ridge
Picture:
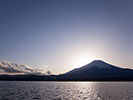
93	68
98	68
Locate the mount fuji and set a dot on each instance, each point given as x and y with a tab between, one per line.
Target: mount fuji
98	70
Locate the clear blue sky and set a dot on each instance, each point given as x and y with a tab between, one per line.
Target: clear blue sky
60	35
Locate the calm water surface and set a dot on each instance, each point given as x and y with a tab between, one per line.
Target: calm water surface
66	90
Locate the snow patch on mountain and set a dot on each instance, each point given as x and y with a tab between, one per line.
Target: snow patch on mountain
100	64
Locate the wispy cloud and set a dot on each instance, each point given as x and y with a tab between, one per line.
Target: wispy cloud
13	68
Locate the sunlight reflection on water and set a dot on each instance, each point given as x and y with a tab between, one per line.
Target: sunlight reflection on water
66	90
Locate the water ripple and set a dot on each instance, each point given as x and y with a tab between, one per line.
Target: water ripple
66	90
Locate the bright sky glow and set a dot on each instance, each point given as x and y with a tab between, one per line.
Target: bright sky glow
83	59
65	34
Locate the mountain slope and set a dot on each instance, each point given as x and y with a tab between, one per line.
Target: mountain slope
98	69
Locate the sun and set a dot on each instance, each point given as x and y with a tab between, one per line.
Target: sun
81	60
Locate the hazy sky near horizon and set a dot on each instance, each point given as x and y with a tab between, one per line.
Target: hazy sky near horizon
59	35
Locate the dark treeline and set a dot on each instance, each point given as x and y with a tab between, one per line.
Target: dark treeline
61	78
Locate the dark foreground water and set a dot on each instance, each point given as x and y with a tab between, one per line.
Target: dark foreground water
66	90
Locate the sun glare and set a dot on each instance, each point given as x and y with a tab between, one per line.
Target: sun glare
82	60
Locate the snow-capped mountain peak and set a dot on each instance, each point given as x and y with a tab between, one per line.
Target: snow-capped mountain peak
100	64
94	66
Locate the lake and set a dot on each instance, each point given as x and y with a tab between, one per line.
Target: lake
20	90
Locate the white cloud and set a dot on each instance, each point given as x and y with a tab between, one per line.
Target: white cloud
13	68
